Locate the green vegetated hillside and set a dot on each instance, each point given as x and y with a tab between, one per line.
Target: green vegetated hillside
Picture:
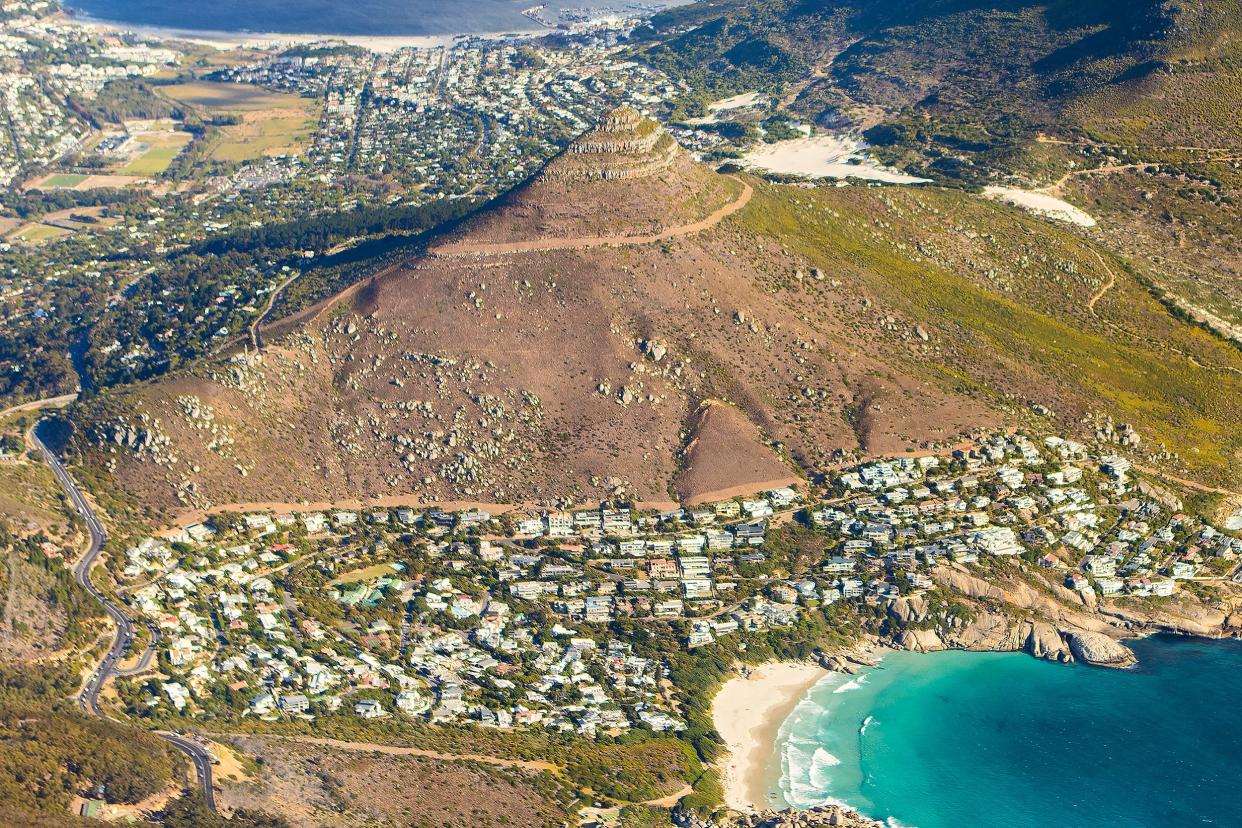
1009	301
51	632
960	87
49	752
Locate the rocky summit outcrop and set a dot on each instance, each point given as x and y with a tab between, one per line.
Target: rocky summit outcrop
625	144
1096	648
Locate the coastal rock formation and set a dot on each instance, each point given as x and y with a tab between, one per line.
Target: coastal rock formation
824	815
1063	628
1185	617
921	641
1045	641
1053	601
1099	649
991	632
909	609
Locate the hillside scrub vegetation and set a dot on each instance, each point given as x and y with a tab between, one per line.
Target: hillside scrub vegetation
50	752
954	90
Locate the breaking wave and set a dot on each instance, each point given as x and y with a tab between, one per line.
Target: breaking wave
852	684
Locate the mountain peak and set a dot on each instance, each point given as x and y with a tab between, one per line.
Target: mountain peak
624	144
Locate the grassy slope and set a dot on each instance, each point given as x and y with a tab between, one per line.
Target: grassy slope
1141	369
961	90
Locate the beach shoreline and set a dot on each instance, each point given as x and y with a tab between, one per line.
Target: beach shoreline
748	713
228	40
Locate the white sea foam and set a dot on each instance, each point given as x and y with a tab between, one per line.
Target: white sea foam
820	772
853	684
806	767
806	773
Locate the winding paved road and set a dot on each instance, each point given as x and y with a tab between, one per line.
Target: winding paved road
35	405
88	698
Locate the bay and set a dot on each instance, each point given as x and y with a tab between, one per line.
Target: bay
1003	739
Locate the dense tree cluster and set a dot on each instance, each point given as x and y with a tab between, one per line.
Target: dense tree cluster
50	752
191	301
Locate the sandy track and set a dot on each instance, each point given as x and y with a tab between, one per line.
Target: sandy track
183	516
586	242
1109	169
1190	484
397	750
1107	286
1099	294
1048	139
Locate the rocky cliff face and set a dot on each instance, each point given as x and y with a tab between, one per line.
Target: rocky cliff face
624	145
1096	648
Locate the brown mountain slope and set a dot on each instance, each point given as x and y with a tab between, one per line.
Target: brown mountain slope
855	320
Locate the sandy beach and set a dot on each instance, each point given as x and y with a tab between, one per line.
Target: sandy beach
226	41
748	713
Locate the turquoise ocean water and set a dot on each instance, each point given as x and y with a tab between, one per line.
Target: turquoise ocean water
1003	739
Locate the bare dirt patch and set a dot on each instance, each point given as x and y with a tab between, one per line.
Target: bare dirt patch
315	785
726	457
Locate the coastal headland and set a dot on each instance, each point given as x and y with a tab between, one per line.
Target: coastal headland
998	615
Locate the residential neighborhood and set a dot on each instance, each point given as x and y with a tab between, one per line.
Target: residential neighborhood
527	619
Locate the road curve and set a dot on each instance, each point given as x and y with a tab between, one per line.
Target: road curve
256	335
88	698
202	763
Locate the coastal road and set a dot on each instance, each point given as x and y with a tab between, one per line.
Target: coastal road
88	698
202	763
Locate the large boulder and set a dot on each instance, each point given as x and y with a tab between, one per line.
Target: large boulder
920	641
1044	641
1097	648
907	609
